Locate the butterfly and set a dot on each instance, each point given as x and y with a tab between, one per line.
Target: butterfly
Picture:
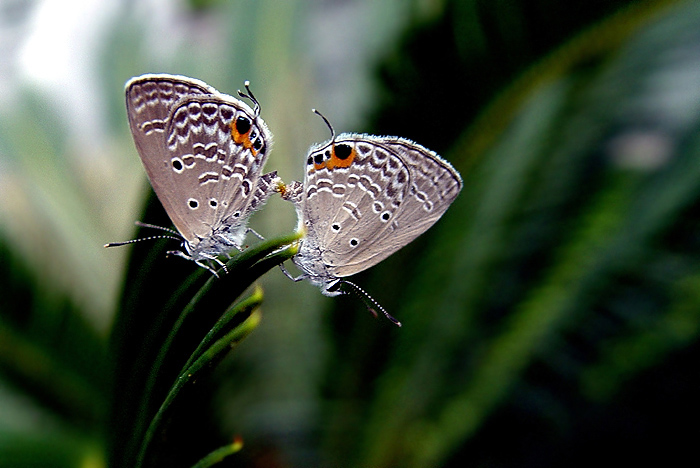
203	152
363	198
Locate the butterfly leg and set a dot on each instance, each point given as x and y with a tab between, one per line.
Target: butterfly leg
179	253
213	258
251	230
267	185
289	275
228	242
204	265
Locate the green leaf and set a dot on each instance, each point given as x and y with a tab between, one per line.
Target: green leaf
206	356
49	449
188	319
219	454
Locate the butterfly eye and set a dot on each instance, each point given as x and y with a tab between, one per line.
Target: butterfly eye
318	158
336	227
328	154
257	144
194	204
213	203
354	242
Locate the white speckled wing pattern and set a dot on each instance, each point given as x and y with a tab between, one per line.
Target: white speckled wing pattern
364	197
204	152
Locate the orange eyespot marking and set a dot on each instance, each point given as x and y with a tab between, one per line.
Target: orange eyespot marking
241	133
319	160
240	129
342	156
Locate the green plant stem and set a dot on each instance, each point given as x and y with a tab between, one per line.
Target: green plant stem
243	261
219	454
254	261
246	306
220	347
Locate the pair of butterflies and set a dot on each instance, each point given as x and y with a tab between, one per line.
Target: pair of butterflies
363	197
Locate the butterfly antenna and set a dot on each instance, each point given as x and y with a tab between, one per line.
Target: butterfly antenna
117	244
176	235
153	226
370	302
328	124
250	96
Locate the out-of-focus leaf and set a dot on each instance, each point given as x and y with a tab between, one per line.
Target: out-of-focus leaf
219	454
50	450
578	181
47	349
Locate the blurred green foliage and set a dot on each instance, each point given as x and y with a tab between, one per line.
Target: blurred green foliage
551	318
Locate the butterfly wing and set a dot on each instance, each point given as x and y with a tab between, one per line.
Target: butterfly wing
189	135
367	196
217	147
150	100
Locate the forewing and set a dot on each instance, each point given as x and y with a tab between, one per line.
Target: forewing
150	100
